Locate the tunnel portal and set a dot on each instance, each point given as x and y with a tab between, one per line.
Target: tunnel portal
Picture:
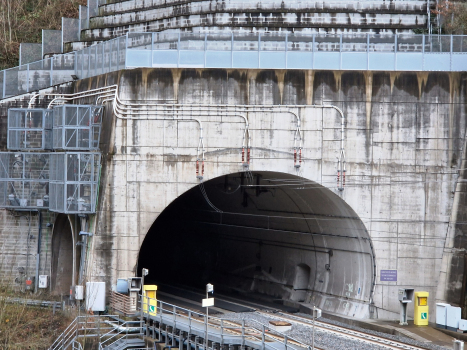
272	233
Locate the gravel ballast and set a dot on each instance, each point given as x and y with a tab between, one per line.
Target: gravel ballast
325	340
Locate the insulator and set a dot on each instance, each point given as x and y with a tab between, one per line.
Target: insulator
248	156
295	156
343	178
243	154
197	167
202	168
300	157
338	177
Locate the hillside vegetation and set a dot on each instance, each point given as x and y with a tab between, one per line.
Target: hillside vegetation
27	327
22	21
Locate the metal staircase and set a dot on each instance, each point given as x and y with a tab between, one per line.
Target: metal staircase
112	334
126	343
173	326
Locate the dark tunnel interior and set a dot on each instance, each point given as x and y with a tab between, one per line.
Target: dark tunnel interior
263	232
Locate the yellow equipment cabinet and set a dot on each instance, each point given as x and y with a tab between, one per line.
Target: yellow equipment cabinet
149	294
421	309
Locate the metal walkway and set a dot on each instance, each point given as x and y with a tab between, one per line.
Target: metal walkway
174	326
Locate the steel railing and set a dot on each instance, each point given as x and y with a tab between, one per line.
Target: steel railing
418	52
214	329
84	327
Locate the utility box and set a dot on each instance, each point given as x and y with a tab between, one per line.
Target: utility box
420	317
462	326
453	317
122	286
405	296
79	292
95	296
441	310
134	286
43	281
150	300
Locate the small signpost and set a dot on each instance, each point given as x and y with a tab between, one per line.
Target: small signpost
316	314
207	303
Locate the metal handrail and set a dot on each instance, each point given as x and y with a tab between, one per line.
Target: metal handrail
81	327
115	336
258	333
428	44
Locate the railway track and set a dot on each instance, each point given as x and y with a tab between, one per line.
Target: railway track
331	329
346	332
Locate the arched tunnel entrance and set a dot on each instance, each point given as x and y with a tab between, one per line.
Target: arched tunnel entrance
264	232
62	270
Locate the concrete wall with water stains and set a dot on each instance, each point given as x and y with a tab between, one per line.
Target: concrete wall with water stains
404	144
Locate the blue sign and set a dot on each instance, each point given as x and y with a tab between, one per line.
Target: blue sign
388	276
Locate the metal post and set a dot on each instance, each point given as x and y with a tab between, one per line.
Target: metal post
340	51
243	334
160	323
368	51
231	50
313	337
51	70
222	333
285	342
263	336
152	47
259	50
126	47
313	52
27	78
395	51
4	82
103	57
206	331
205	48
178	51
142	303
207	320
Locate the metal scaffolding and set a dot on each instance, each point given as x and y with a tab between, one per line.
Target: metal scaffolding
74	180
24	180
77	127
29	129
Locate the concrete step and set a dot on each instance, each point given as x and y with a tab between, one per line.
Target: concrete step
142	16
180	6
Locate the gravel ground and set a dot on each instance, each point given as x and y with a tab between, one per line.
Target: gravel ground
324	340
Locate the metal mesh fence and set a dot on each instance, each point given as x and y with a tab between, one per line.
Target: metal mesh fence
29	53
70	29
24	180
51	41
210	51
76	127
29	129
83	17
74	182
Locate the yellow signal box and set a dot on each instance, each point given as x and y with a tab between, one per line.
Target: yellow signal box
149	300
421	309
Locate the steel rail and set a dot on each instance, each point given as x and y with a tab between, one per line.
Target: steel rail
348	333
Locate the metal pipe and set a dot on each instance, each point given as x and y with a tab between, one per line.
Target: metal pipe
38	256
122	108
75	94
